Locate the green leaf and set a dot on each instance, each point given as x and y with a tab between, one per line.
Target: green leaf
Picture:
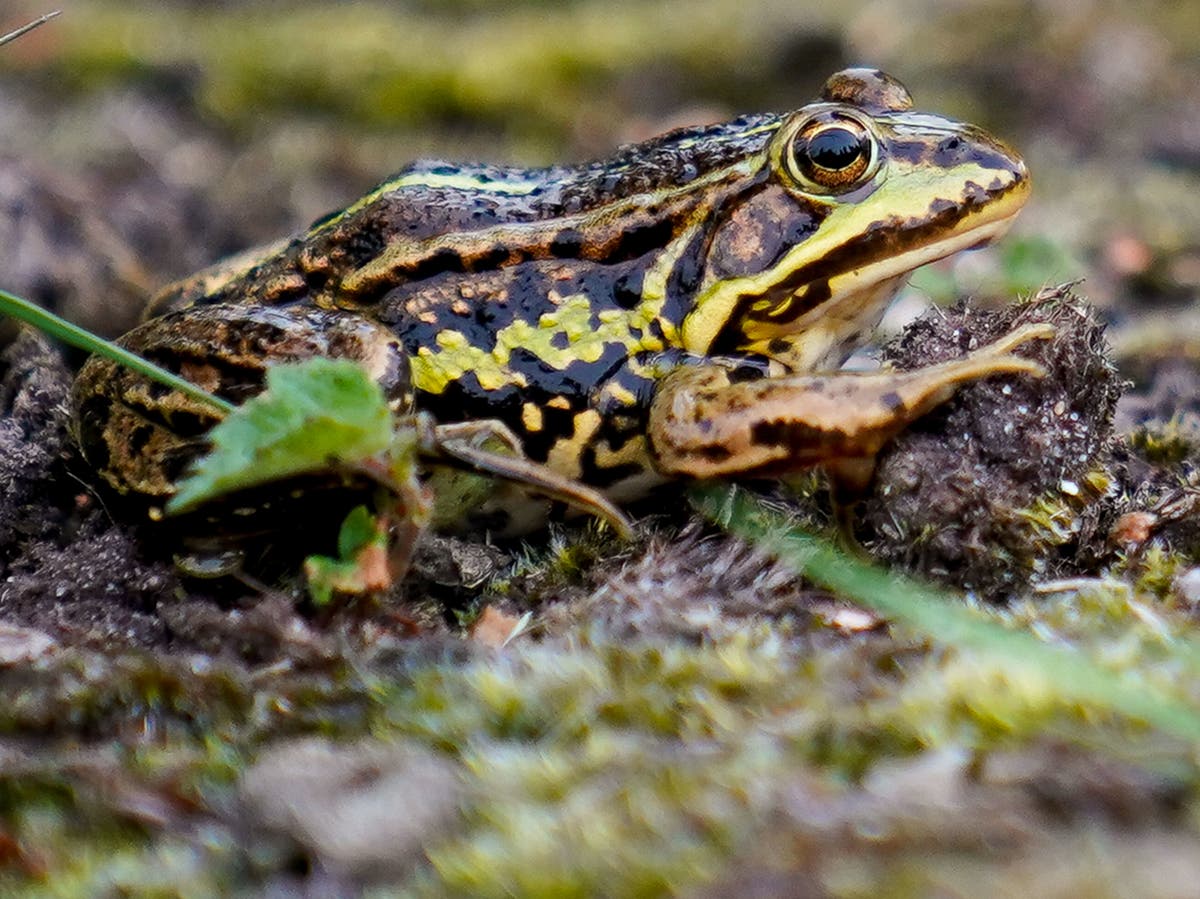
356	532
1066	673
324	575
361	564
311	415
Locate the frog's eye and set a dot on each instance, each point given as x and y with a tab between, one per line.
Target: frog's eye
832	155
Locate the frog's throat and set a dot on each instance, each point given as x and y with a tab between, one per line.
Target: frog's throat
855	281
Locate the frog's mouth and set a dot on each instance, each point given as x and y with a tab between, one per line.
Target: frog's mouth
851	284
887	266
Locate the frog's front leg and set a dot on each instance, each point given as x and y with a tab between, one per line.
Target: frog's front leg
466	444
705	424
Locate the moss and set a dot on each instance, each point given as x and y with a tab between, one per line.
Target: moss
594	763
1059	516
570	556
124	775
1157	571
621	767
1165	443
616	769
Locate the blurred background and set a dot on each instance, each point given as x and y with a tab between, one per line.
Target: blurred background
141	140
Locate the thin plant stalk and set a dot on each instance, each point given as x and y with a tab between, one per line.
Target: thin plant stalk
49	323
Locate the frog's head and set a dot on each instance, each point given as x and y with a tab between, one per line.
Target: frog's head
853	193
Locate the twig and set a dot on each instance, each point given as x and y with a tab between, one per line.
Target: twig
25	29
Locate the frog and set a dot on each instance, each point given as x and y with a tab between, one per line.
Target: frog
676	312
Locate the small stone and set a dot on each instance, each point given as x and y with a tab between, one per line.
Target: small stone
1132	530
364	809
1187	586
21	645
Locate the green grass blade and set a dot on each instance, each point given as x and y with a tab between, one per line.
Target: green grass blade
943	617
49	323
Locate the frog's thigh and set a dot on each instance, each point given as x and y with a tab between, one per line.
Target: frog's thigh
704	425
140	437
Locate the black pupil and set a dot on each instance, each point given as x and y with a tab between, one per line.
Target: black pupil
835	149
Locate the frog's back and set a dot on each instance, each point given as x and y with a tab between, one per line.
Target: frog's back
430	198
422	221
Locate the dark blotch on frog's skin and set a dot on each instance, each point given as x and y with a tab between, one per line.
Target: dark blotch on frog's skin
465	396
555	424
802	302
442	260
750	368
578	379
778	346
90	417
789	433
755	233
364	243
617	431
592	473
627	288
465	399
914	152
682	283
715	452
492	258
567	243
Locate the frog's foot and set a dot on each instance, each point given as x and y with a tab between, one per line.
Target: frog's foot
491	447
1018	337
703	424
848	483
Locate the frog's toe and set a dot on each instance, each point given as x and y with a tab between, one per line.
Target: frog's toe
1023	335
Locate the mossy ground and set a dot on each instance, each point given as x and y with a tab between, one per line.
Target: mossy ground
684	714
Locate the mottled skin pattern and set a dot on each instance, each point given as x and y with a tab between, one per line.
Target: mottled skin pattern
556	213
560	300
